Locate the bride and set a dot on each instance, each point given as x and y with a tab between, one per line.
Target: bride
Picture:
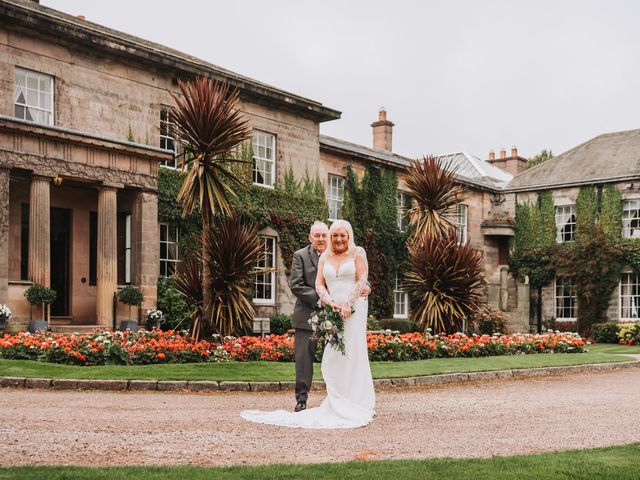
342	273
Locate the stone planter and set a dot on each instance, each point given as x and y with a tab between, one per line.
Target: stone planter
129	325
35	325
151	324
3	324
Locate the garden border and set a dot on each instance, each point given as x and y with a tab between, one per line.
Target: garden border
241	386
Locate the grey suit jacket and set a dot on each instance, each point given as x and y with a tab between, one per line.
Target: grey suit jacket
304	269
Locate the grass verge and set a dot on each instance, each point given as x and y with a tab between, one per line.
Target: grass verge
273	371
618	463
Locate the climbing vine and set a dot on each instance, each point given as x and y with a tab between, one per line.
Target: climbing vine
370	206
586	210
593	262
611	212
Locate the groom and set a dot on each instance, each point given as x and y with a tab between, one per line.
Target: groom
303	285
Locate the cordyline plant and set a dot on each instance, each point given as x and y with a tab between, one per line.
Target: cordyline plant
188	281
232	249
447	277
208	125
432	185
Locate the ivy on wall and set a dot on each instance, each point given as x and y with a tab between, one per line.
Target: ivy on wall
593	262
535	239
611	212
535	223
586	210
170	211
370	206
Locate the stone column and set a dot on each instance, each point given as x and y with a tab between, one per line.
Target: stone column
40	230
4	235
145	248
107	254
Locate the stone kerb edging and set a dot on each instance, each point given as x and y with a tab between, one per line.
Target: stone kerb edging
228	386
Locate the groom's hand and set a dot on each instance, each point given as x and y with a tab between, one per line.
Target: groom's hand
366	290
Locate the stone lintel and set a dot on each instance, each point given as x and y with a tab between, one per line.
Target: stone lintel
502	231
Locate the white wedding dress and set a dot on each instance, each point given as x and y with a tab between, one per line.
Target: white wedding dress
350	396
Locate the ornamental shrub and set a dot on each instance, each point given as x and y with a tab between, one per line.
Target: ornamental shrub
38	294
629	333
130	295
280	324
605	332
402	325
176	310
492	320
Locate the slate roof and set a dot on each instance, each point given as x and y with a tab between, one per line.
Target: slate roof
381	156
31	16
470	170
606	158
479	170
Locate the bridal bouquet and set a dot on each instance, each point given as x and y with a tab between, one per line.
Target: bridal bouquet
328	325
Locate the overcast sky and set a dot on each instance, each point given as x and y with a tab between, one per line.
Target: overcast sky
453	75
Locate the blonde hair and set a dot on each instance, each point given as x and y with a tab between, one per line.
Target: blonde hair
347	226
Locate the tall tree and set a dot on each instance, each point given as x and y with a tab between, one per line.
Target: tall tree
208	125
541	157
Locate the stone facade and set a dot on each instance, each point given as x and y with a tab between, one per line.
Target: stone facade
566	196
103	145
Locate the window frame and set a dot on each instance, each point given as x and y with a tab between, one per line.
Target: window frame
255	157
168	261
339	200
573	307
404	302
566	219
39	75
165	109
637	297
403	206
462	228
262	263
626	222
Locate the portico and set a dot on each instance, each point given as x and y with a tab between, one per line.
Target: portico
91	230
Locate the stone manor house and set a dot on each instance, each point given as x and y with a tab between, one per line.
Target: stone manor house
83	135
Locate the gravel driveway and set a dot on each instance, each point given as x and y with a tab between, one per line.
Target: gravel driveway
497	418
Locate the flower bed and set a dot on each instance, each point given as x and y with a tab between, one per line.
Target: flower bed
416	346
148	347
104	347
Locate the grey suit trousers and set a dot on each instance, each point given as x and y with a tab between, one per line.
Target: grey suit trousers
305	352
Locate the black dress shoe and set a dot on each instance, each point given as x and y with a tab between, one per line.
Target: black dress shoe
301	405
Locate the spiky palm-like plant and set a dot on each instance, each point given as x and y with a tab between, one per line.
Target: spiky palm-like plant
233	250
447	277
432	184
188	281
208	125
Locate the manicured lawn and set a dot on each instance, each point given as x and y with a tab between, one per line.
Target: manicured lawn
618	463
272	371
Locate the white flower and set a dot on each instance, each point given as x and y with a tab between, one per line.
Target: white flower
328	324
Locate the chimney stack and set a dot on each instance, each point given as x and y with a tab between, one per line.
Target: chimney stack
514	151
503	153
492	155
382	132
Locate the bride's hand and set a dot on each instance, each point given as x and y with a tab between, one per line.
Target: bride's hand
345	312
336	307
